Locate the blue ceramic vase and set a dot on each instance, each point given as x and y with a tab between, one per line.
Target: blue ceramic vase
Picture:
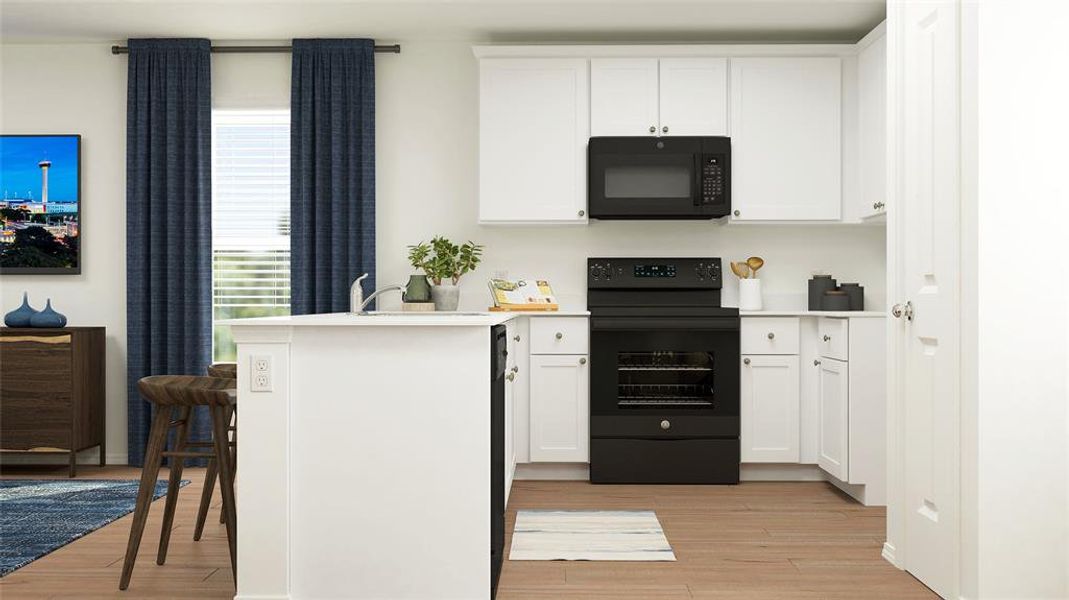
20	317
48	317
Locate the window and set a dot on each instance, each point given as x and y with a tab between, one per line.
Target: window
250	219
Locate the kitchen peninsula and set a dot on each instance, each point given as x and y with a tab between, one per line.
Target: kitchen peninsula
366	450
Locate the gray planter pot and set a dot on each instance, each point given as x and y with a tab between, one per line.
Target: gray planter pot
445	296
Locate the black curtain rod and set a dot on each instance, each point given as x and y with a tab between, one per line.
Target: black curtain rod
391	49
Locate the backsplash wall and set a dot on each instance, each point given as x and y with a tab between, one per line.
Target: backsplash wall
427	170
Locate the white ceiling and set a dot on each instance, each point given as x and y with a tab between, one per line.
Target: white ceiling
477	20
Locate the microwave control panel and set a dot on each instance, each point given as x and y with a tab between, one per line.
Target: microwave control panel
713	179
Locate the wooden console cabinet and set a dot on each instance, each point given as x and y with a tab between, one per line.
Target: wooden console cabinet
52	391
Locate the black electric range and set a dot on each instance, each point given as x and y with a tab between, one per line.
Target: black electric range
664	380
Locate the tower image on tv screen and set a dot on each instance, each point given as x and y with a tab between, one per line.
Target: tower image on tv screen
40	210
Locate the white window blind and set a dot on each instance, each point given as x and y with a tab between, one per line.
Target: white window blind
250	218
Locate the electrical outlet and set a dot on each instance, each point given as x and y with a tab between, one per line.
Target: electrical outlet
261	374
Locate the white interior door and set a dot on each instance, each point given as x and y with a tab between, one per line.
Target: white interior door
926	247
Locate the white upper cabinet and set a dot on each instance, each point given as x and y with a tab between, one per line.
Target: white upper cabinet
693	96
649	96
872	126
786	122
623	96
533	130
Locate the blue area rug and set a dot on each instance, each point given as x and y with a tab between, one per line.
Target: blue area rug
37	516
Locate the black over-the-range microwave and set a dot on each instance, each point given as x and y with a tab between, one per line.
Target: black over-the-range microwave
659	177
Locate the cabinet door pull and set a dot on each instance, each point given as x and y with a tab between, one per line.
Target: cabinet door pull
559	335
653	129
582	361
745	361
816	362
771	335
827	338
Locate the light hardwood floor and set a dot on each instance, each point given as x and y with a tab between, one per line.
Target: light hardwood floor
755	540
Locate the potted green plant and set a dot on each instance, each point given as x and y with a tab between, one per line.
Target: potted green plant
444	263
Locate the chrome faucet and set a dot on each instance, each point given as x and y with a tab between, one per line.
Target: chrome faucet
378	293
357	302
356	294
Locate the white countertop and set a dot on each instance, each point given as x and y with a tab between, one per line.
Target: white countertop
398	318
853	314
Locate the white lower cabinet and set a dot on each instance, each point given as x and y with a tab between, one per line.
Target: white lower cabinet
560	408
770	400
834	420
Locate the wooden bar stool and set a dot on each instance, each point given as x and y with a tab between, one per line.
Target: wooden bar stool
180	394
223	371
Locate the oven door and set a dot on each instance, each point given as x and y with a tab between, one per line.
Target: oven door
664	377
645	178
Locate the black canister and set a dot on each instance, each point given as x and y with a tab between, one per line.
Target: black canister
835	300
817	286
856	293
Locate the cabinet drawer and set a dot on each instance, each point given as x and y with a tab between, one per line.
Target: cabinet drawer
559	335
832	334
769	335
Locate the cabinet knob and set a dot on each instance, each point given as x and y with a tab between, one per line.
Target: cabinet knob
736	213
745	361
653	129
875	206
582	361
515	369
666	424
559	335
516	338
771	335
664	129
511	377
582	213
827	338
816	362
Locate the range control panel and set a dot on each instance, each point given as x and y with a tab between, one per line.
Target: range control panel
680	273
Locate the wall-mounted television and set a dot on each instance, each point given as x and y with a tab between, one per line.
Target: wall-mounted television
40	204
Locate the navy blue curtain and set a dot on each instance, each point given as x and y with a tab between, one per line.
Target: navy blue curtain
332	172
168	221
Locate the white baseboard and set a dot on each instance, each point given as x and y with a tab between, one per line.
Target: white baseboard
888	554
780	472
553	471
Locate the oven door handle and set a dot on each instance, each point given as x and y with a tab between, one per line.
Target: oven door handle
653	323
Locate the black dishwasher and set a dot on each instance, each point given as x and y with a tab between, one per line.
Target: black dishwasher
498	358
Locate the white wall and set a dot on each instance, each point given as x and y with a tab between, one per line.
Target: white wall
80	89
427	124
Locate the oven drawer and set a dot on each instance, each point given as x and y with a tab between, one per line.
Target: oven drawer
769	335
664	461
832	337
687	425
559	335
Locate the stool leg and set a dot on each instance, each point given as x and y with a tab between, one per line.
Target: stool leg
231	418
157	437
185	423
220	424
206	499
